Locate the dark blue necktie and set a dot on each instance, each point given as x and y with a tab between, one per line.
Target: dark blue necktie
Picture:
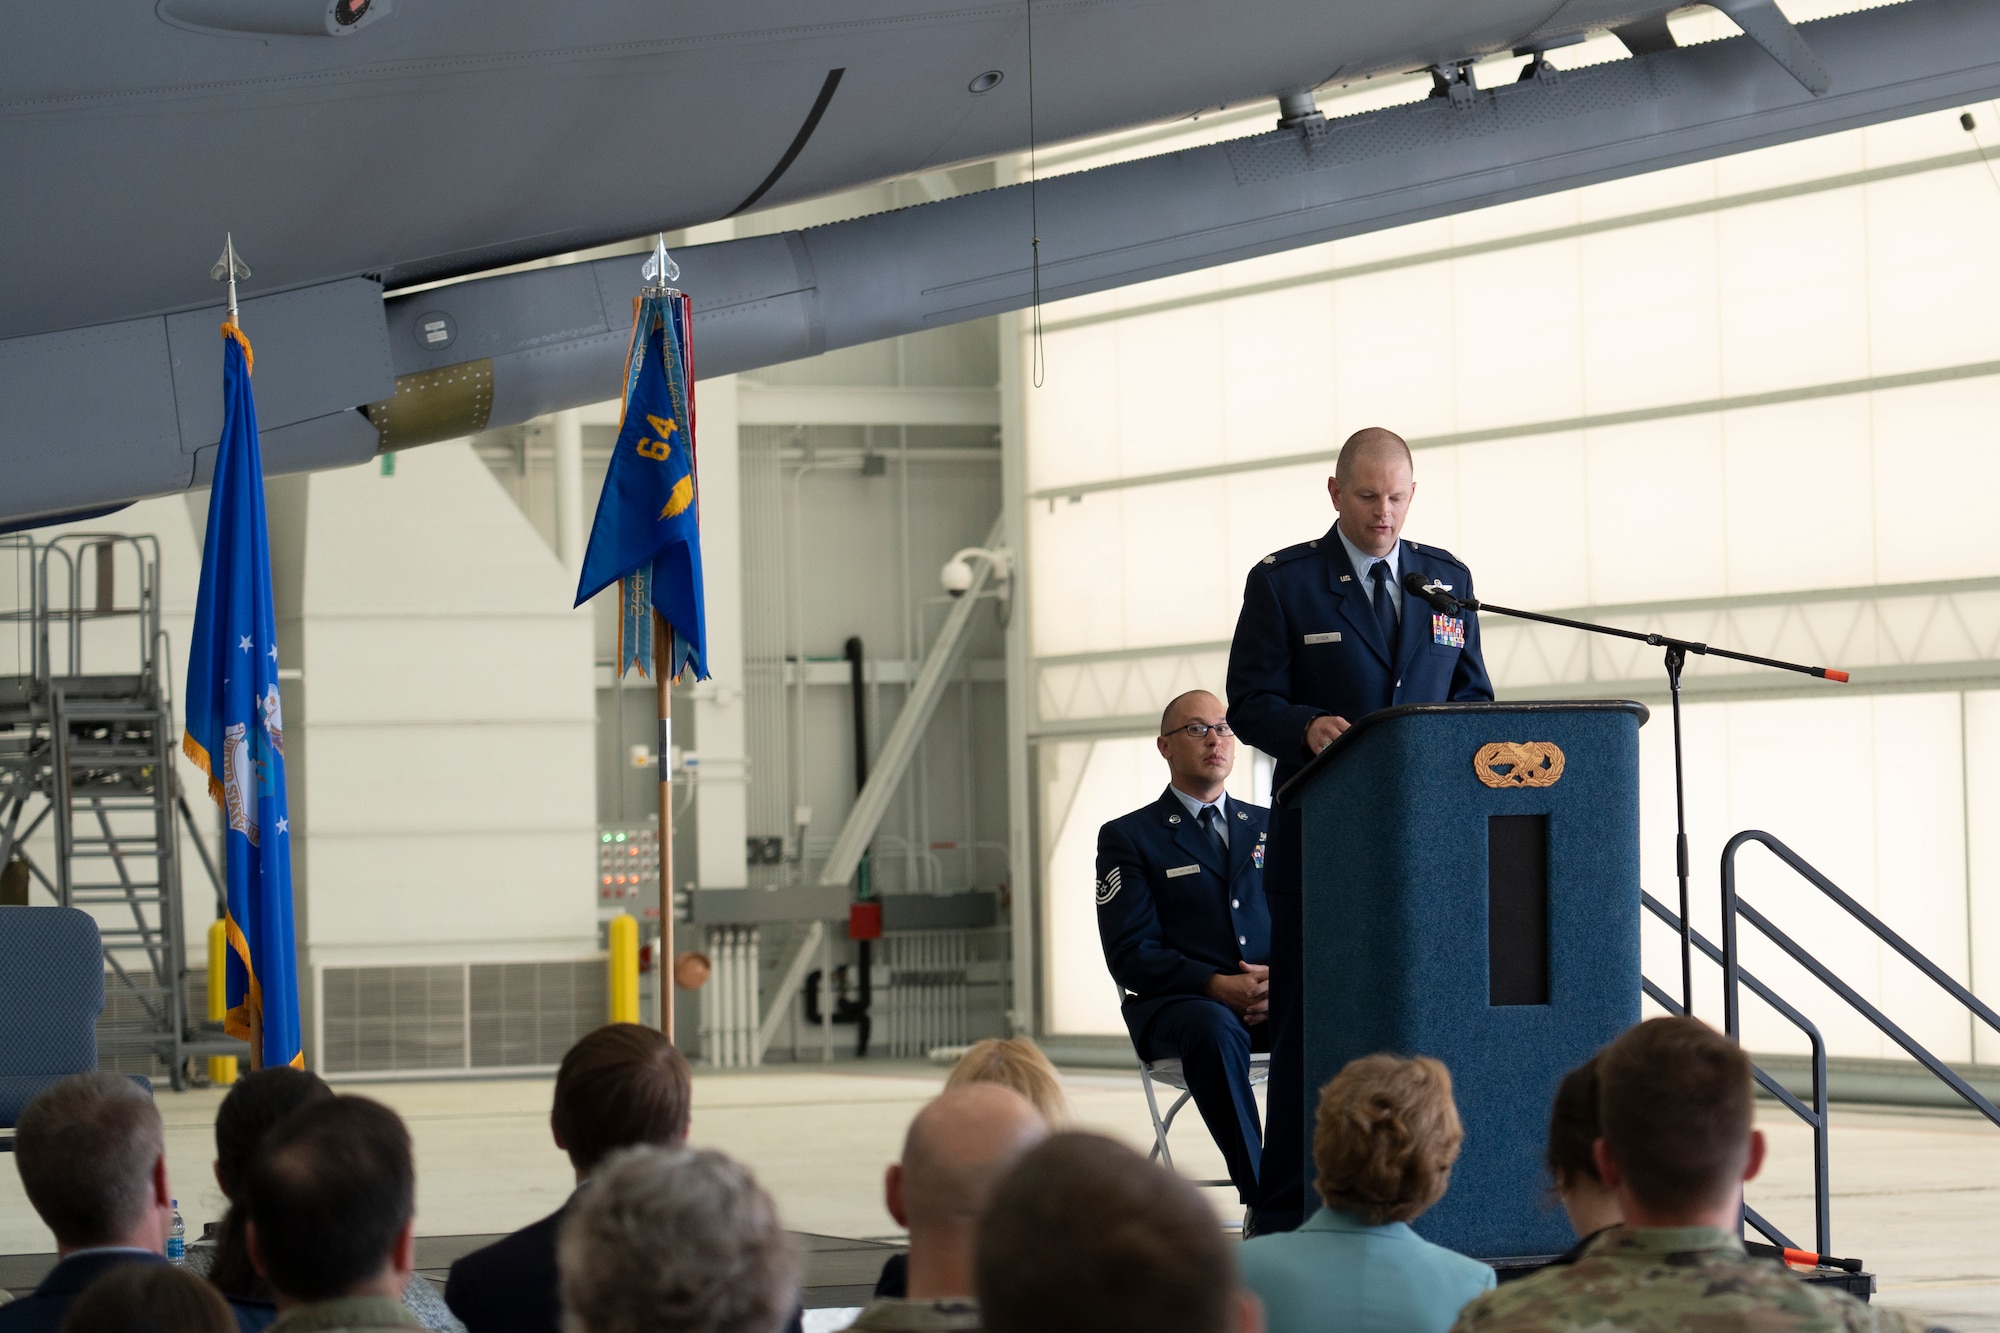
1385	606
1210	820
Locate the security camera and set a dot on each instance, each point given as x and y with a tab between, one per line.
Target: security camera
957	575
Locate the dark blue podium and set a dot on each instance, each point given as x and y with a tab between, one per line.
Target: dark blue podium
1471	892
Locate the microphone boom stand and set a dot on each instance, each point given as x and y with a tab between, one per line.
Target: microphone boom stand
1677	651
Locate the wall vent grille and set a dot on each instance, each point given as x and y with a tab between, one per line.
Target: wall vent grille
456	1016
530	1013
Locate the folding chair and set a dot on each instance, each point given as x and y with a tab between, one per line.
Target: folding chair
1169	1072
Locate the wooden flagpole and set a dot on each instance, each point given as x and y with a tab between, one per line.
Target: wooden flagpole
663	960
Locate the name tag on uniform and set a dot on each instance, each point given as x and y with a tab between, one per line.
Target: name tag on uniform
1178	871
1332	636
1447	630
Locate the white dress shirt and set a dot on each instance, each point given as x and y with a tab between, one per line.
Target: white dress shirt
1194	808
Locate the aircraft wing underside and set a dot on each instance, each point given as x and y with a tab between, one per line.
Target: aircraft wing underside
112	412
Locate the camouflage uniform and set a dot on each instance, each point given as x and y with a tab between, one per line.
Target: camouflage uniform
1673	1280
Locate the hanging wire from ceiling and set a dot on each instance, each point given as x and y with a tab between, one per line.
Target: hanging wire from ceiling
1038	363
1970	125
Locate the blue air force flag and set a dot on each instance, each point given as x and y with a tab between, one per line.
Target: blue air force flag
236	732
648	530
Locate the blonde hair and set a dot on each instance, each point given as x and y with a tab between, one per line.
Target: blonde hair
1385	1137
1017	1063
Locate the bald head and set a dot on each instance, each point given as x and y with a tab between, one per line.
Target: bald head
1371	444
1372	486
1190	707
960	1146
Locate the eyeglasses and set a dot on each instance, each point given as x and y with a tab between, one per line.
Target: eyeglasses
1198	730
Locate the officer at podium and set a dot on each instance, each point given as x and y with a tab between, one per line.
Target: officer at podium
1327	636
1180	908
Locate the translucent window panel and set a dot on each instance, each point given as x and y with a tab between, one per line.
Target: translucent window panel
1705	734
1920	870
1072	419
1798	482
1275	373
1937	470
1649	315
1811	159
1643	193
1306	262
1439	502
1519	335
1794	281
1393	243
1656	529
1076	562
1077	989
1982	845
1934	135
1169	394
1271	510
1867	790
1934	280
1177	589
1085	785
1524	530
1545	213
1393	351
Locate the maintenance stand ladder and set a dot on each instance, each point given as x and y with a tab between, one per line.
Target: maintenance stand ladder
88	791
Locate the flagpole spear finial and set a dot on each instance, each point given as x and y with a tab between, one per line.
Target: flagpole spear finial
228	269
660	271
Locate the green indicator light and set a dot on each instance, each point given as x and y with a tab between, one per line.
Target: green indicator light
621	837
607	837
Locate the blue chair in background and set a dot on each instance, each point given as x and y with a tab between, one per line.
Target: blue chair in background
51	992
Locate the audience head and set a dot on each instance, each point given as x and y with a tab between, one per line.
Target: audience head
1385	1137
1017	1063
619	1087
1674	1103
1573	1134
955	1152
331	1197
1372	485
253	1108
1086	1236
93	1161
149	1298
675	1240
1196	762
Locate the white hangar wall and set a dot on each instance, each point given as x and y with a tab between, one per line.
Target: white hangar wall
1749	401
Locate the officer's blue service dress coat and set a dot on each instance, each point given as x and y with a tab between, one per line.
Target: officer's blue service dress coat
1308	644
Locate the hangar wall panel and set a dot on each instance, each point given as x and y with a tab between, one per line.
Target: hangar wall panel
443	807
1745	400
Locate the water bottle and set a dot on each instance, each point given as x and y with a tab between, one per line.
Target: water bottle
177	1238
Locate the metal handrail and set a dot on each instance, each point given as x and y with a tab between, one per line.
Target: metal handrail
68	547
1734	976
1733	906
1815	1116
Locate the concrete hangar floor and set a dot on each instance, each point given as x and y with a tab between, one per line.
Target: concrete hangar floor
1914	1190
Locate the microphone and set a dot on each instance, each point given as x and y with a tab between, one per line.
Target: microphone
1432	593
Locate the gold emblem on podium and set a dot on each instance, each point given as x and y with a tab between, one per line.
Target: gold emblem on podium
1529	764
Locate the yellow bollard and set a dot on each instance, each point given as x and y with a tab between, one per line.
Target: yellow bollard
624	968
221	1068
